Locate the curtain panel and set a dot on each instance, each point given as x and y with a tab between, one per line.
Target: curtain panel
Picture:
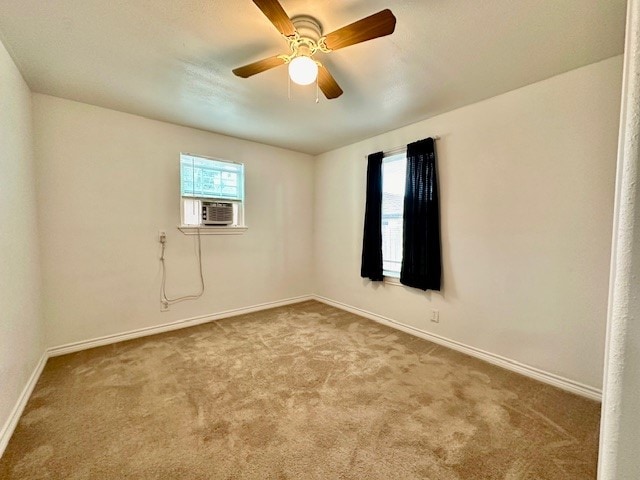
421	256
372	239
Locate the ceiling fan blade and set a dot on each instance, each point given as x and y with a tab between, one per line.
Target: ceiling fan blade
328	84
374	26
258	67
276	14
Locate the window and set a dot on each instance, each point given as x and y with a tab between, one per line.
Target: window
211	187
394	169
401	235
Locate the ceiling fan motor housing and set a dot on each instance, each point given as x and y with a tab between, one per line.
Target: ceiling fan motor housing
307	40
307	27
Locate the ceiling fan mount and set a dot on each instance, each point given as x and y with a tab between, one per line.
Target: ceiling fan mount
304	35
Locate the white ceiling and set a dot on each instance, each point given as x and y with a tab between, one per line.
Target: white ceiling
172	60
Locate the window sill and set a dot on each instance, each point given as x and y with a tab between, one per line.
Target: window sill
191	230
392	280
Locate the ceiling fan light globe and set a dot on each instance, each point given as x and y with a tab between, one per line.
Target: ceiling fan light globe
303	70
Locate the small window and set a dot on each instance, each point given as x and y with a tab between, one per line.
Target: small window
211	192
394	168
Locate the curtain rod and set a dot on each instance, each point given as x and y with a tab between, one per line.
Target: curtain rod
394	150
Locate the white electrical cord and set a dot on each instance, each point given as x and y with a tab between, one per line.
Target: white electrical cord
166	301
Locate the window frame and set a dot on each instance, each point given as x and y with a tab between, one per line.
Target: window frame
237	227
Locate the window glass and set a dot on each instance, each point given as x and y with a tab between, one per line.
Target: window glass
206	178
393	184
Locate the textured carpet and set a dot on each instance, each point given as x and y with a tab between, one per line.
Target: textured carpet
299	392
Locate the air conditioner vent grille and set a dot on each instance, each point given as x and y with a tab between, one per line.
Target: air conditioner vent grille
217	213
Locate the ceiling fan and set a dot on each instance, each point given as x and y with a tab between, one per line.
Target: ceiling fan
304	35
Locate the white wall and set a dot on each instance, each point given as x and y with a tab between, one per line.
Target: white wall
21	330
526	184
620	427
108	181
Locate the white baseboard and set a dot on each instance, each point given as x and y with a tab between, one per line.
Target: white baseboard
167	327
12	421
513	365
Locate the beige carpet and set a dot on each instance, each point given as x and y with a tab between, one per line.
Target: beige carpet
299	392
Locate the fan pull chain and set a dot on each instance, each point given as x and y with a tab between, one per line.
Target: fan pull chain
317	88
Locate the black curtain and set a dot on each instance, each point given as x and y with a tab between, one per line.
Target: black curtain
372	240
421	259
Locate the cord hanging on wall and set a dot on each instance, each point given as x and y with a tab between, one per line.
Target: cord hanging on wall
164	300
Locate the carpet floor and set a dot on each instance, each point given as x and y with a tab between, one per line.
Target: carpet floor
305	391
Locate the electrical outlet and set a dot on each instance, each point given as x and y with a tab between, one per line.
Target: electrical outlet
435	316
162	236
164	306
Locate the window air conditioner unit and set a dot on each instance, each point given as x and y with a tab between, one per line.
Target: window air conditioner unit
217	213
